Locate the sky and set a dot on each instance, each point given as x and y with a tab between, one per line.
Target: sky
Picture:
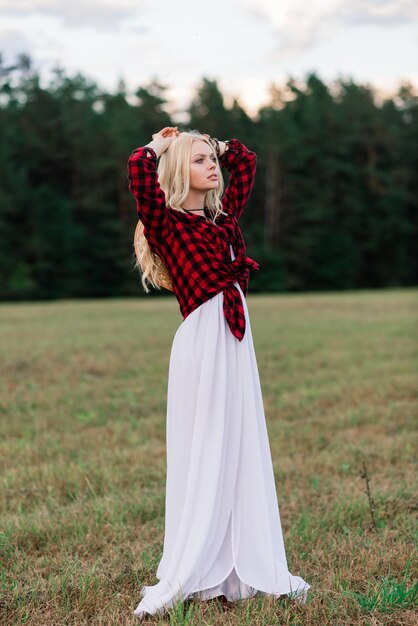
246	45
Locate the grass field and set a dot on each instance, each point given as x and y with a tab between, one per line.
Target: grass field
82	444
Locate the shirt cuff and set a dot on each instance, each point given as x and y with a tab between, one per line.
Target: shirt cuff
234	147
145	151
153	153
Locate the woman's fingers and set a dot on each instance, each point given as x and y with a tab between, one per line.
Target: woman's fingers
166	132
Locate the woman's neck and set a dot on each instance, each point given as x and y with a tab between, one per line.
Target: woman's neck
195	202
200	212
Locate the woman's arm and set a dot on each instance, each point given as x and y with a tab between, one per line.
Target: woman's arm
150	198
241	163
144	185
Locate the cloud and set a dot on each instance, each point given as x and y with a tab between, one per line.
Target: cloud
13	42
102	14
387	12
300	25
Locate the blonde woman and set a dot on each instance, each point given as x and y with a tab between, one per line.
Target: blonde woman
223	534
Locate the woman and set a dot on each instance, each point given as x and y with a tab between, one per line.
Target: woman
223	533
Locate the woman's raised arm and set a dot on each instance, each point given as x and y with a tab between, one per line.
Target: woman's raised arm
241	163
144	185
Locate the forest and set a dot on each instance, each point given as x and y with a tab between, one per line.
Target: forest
333	207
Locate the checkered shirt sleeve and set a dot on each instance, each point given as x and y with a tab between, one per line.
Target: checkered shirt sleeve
241	163
150	198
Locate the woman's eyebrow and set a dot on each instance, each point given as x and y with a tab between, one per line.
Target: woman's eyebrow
211	154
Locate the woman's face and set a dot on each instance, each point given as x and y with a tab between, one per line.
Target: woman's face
203	168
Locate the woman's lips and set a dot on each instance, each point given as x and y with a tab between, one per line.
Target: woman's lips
213	176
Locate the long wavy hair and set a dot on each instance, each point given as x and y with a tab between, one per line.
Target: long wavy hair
174	178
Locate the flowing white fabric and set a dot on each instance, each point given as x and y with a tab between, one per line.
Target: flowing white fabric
223	532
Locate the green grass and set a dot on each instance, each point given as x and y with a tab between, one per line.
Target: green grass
82	447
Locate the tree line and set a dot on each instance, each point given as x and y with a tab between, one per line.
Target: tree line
333	207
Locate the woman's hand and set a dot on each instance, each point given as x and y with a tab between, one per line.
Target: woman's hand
162	139
222	145
167	132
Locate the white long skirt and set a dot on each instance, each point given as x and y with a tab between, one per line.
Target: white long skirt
223	532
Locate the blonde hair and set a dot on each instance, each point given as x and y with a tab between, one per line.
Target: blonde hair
174	179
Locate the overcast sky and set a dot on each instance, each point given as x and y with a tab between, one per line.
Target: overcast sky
245	44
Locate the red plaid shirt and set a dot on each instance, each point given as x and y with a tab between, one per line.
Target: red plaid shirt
195	250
